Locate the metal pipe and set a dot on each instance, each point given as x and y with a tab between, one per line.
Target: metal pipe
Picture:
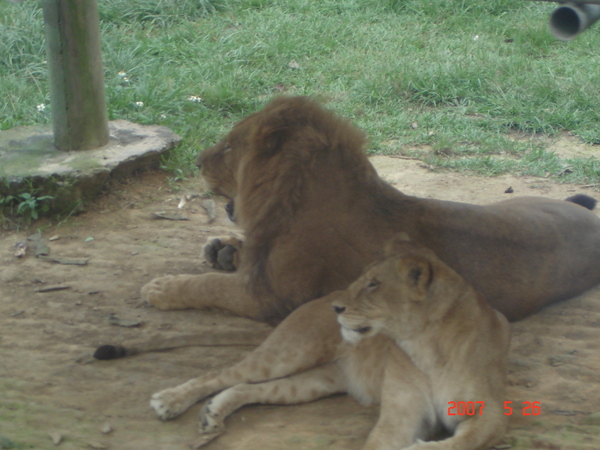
570	19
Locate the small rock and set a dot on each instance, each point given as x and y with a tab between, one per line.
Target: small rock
555	361
97	445
106	428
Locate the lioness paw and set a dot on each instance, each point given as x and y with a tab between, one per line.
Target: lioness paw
168	404
161	293
210	421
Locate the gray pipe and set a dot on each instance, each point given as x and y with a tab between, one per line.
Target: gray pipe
570	19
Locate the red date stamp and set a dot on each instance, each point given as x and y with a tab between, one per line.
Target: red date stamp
476	408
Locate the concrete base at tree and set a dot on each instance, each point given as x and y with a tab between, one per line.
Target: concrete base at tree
30	163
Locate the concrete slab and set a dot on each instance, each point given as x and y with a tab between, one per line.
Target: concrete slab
29	162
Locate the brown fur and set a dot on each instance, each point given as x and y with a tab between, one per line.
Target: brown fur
315	214
411	301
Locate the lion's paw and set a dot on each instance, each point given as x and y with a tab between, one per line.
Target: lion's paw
158	293
167	404
222	252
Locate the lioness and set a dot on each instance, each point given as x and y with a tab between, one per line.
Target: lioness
410	302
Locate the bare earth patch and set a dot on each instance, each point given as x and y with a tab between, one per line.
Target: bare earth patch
46	395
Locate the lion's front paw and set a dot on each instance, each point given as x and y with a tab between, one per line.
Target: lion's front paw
161	293
169	404
223	252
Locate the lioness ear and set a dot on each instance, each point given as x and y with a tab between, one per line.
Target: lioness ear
396	243
417	273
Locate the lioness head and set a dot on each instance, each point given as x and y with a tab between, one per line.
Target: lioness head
399	296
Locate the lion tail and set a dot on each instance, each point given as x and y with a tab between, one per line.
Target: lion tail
583	200
211	338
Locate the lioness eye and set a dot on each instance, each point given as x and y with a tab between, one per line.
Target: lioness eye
373	284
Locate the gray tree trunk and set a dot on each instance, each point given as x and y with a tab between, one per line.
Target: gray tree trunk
77	96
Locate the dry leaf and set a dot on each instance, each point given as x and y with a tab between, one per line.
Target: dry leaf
170	216
210	208
56	438
21	249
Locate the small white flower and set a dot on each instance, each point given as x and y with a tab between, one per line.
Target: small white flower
139	104
476	37
41	107
122	74
194	98
163	116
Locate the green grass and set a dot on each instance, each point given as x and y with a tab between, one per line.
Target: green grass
461	78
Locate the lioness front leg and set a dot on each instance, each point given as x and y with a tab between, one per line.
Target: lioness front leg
223	252
406	412
308	337
226	291
300	388
473	433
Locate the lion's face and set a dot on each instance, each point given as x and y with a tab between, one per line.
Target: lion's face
219	164
397	296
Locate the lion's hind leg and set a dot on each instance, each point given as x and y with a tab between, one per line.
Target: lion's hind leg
304	387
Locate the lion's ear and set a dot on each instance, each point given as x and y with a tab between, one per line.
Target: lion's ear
417	273
270	137
277	122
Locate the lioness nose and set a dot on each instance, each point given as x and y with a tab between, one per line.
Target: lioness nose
339	309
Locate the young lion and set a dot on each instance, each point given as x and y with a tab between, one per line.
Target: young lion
411	304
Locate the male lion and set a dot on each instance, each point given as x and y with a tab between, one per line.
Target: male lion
410	302
315	214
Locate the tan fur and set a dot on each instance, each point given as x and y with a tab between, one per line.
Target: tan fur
315	214
411	301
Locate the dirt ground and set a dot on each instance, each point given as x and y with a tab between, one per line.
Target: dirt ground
46	395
